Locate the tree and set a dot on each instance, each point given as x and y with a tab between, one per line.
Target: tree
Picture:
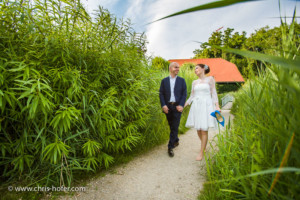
263	40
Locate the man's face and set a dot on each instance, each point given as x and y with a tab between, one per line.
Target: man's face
174	69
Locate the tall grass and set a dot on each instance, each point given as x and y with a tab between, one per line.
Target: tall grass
75	92
259	157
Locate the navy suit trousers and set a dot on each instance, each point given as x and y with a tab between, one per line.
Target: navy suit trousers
173	118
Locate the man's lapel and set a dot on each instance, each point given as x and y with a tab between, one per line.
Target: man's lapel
176	83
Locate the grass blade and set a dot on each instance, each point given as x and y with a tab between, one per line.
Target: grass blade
216	4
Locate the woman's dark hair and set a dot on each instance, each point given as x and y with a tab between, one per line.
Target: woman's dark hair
206	67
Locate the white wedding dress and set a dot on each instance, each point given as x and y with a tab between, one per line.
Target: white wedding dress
203	99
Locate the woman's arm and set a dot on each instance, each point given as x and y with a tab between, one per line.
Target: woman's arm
213	92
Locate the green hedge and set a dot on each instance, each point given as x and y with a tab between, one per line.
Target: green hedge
227	87
75	92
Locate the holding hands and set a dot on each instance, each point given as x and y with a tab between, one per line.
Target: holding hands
218	107
179	108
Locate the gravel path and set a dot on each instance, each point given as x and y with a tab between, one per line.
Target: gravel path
154	175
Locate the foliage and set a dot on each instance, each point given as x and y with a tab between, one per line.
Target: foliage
227	87
75	92
188	66
264	40
160	64
258	158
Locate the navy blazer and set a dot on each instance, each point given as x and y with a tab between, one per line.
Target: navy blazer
179	91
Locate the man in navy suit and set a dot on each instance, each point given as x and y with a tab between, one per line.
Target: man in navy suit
172	94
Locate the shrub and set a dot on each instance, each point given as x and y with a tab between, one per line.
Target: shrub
74	91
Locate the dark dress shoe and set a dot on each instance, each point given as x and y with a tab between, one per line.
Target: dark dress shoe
176	144
170	152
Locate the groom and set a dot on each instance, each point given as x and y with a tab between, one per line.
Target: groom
172	94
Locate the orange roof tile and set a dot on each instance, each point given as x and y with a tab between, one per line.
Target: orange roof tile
220	69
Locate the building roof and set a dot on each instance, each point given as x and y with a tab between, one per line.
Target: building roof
222	70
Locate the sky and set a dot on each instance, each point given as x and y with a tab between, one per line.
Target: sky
177	37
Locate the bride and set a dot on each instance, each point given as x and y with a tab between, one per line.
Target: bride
204	100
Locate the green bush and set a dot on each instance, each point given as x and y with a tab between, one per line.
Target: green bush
75	92
227	87
188	66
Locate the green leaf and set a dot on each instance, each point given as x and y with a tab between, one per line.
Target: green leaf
39	134
286	63
275	170
232	191
216	4
25	94
20	68
79	133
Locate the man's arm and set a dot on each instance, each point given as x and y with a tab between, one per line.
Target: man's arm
162	99
183	97
161	94
184	94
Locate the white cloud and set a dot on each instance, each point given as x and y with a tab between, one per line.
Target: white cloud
92	5
135	8
173	37
170	38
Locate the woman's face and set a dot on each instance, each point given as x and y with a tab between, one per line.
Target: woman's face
198	70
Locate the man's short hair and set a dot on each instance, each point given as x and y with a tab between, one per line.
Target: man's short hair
172	63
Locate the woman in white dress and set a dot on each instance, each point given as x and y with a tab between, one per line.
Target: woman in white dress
204	100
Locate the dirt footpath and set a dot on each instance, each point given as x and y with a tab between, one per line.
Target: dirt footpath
155	175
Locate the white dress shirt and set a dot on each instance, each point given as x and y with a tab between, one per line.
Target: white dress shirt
172	85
